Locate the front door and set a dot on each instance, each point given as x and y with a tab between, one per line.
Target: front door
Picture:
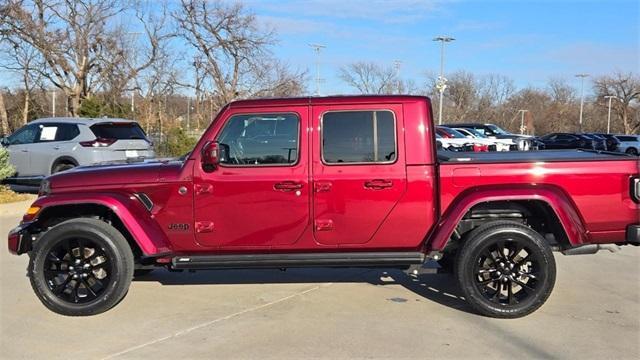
19	146
358	171
259	195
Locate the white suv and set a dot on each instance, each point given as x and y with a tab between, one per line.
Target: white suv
629	144
47	146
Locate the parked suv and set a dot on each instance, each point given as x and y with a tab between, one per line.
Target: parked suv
629	144
47	146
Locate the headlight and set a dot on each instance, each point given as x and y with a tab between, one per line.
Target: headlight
45	188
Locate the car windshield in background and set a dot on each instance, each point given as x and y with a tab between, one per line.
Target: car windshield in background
119	131
476	133
497	130
452	133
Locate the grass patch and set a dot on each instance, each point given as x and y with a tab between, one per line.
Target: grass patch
8	196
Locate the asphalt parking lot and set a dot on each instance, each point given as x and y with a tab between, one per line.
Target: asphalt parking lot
594	313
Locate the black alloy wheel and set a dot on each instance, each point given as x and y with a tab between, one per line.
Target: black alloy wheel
81	267
77	270
505	269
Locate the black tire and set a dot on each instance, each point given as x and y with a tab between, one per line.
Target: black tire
528	267
62	167
141	272
632	151
89	266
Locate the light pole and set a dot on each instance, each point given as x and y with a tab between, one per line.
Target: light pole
610	97
317	48
396	65
522	120
133	102
581	76
441	84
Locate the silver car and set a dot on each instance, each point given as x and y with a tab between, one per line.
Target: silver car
47	146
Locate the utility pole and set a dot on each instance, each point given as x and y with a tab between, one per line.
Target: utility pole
53	103
581	76
397	64
133	102
610	97
522	127
441	84
317	48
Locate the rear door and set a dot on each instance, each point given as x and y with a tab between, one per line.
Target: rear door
358	171
54	142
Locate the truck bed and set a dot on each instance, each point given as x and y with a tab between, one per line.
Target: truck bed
530	156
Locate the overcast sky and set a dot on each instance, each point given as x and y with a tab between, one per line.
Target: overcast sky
529	41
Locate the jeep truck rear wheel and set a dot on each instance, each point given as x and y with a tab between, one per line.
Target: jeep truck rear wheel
505	269
81	267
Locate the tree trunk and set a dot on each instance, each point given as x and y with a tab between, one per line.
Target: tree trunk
4	121
25	109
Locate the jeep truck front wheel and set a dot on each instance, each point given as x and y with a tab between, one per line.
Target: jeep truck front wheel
81	267
505	269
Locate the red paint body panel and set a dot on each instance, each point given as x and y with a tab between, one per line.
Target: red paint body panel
241	210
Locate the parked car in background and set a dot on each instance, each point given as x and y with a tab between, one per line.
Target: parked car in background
478	145
567	141
48	146
448	144
629	144
599	142
524	142
611	141
501	144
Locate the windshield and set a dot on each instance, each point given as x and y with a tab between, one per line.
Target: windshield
474	133
497	130
452	133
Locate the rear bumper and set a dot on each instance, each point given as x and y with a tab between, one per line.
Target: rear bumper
633	235
18	239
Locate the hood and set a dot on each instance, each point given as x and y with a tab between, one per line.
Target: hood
117	174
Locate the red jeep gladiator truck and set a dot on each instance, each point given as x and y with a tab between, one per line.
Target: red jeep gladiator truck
353	181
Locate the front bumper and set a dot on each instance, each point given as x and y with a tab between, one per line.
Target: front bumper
19	241
633	235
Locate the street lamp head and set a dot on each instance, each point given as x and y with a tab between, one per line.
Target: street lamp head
582	75
443	38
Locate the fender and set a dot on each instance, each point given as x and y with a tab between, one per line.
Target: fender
561	204
135	217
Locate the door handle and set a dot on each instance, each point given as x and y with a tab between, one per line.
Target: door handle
378	184
287	186
56	148
25	150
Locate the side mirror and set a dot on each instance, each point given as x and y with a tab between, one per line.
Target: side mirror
210	156
4	141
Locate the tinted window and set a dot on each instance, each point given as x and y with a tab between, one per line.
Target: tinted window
627	138
26	135
358	137
67	132
119	131
261	139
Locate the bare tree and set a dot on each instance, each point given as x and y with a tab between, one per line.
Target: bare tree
370	78
626	87
23	60
77	43
233	50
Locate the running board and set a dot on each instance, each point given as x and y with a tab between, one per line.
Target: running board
275	261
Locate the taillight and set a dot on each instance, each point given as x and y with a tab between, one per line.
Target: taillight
99	142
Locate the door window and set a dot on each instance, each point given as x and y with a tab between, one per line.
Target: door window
26	135
67	132
261	140
358	137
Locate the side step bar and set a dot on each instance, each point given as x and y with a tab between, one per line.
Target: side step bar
349	259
